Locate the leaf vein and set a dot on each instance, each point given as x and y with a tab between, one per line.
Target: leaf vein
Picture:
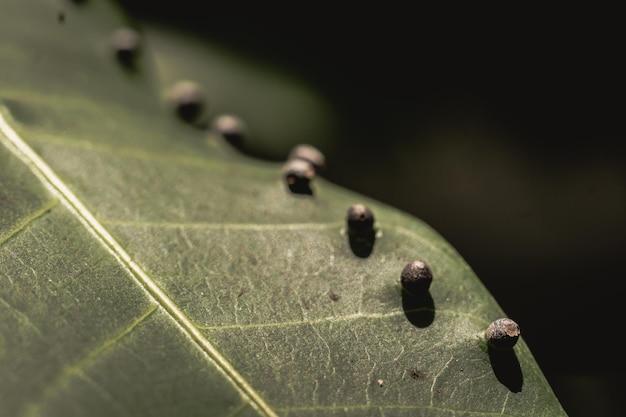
25	221
78	367
20	316
447	251
432	387
46	175
224	226
350	317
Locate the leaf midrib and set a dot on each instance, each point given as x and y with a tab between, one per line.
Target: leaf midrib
16	145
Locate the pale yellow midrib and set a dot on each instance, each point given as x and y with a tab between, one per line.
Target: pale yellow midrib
53	183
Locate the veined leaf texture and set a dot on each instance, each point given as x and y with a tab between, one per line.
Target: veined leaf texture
149	270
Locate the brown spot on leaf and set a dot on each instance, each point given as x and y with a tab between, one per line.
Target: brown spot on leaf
416	373
334	297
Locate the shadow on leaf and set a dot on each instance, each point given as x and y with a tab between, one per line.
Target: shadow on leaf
419	309
300	187
362	244
507	369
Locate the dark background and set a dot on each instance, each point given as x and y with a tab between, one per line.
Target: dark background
507	138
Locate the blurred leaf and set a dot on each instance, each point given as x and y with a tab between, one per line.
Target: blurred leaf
280	112
148	270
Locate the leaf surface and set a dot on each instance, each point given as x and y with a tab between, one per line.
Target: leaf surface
149	271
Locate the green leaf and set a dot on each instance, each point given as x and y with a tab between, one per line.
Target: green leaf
279	111
146	270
